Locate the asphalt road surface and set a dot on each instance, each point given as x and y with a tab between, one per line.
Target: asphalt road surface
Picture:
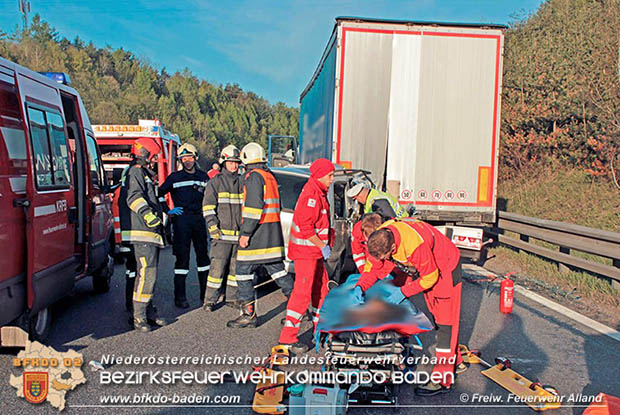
542	345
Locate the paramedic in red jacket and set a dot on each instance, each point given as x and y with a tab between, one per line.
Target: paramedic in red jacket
309	247
432	262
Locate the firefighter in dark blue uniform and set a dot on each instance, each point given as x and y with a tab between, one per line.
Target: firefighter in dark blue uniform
187	188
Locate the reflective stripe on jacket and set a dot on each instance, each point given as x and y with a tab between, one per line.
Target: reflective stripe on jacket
311	217
138	198
260	218
384	204
221	206
187	190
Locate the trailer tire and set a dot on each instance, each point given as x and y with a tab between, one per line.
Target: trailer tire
102	277
39	325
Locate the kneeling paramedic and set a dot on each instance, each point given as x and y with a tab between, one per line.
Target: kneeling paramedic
141	226
432	262
309	247
260	242
221	208
187	187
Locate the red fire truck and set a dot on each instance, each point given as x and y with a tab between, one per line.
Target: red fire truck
56	221
115	142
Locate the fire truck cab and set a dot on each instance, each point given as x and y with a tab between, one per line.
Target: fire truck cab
56	221
115	142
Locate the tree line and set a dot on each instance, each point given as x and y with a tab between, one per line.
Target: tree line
118	87
560	95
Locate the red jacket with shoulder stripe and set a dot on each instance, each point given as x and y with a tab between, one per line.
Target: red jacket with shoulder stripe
311	217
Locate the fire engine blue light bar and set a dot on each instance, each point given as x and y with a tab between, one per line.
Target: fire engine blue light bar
60	77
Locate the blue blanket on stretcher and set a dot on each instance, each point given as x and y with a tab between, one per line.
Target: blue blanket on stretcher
342	312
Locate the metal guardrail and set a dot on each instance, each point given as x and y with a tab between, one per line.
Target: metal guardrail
567	237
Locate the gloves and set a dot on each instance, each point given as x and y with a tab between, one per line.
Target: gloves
175	211
395	297
326	251
358	294
151	220
216	234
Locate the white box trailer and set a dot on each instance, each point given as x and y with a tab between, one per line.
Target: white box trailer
418	105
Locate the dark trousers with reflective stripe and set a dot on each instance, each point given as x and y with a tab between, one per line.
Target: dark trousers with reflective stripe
223	257
245	274
147	257
187	229
130	273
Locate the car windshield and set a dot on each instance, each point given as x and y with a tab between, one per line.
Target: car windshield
290	186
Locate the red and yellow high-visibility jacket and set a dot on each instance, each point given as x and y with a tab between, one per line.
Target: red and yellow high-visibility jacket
421	246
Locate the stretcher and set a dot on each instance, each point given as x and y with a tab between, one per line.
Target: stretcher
373	337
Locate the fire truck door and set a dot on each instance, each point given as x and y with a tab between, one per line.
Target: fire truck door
51	263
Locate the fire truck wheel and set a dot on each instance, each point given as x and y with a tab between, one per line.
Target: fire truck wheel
39	325
102	277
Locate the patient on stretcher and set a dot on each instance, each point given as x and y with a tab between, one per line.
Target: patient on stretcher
343	312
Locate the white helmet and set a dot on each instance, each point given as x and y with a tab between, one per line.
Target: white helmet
229	153
187	149
253	153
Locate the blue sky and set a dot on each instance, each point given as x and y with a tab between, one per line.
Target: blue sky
269	47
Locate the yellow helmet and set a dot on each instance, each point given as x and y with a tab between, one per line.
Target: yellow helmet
253	153
187	149
229	153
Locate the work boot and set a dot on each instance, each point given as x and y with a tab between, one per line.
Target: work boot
461	368
246	319
202	282
153	319
431	389
297	348
179	292
140	322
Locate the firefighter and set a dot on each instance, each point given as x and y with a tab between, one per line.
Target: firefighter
221	208
376	201
431	261
125	250
260	242
141	226
187	188
309	247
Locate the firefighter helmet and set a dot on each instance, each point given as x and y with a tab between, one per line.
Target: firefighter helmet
253	153
230	153
145	148
187	149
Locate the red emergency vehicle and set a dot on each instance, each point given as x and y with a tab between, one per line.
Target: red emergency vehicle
115	142
56	221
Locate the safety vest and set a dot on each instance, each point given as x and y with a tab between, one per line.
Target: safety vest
375	194
270	212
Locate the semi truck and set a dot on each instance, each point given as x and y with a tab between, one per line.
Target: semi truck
418	105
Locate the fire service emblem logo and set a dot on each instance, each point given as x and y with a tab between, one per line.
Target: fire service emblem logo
35	386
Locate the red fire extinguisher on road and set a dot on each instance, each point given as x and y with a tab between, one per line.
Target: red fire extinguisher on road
506	294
